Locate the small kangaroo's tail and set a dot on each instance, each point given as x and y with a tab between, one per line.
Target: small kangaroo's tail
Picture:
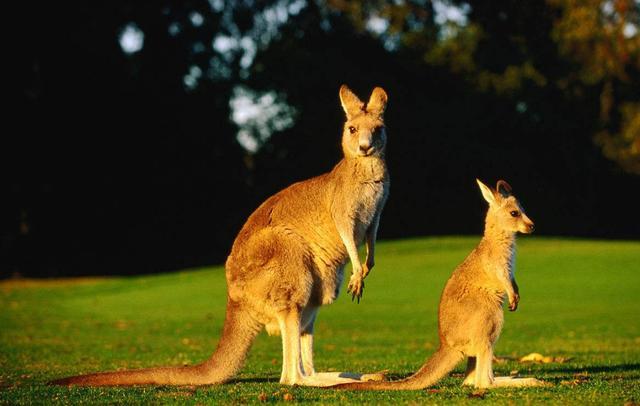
238	334
435	368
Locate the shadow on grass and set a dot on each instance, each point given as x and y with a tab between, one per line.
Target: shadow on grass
255	380
598	368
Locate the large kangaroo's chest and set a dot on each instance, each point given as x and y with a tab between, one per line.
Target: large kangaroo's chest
369	197
363	194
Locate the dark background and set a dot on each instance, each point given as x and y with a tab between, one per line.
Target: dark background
117	163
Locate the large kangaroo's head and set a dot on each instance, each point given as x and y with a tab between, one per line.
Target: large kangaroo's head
505	212
364	134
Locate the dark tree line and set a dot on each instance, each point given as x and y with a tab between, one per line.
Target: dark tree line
119	163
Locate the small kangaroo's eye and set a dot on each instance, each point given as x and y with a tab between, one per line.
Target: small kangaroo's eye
352	129
515	213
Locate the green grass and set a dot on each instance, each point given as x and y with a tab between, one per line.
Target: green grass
580	299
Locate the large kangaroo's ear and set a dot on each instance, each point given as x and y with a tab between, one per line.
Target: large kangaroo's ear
487	193
351	104
377	102
503	188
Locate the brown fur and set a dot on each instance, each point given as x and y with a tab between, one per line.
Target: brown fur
288	260
470	314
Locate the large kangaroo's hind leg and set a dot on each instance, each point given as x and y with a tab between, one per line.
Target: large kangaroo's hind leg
309	377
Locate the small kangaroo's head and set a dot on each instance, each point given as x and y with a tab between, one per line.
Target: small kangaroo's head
505	212
364	133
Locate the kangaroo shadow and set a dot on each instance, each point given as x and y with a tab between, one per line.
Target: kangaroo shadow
580	374
255	380
598	368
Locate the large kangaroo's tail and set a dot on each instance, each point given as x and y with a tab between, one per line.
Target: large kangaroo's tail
238	334
435	368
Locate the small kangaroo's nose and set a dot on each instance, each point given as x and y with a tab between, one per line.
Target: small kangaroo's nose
531	227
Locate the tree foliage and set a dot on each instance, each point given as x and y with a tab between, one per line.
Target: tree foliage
148	155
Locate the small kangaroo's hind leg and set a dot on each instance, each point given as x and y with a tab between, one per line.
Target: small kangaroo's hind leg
470	374
480	374
484	369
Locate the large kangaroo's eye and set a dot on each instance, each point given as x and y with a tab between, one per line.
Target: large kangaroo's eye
352	130
515	213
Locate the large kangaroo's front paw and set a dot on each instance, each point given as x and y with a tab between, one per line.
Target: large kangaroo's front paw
356	286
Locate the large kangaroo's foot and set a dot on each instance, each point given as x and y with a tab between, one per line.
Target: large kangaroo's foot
511	382
322	379
297	346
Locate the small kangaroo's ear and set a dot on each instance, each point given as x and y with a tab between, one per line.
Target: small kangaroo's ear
503	188
377	102
487	193
351	104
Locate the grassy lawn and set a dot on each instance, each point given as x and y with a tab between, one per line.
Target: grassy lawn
580	300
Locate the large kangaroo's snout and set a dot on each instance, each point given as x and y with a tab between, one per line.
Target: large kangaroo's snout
365	147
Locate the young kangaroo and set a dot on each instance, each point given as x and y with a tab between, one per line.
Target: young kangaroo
470	315
289	258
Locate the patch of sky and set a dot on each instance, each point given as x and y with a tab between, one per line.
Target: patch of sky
450	17
196	19
258	115
216	5
131	38
174	29
191	79
377	25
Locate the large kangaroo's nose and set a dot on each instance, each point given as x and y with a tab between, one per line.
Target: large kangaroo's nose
365	147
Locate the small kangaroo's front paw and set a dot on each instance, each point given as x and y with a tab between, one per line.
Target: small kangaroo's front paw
366	268
513	302
356	286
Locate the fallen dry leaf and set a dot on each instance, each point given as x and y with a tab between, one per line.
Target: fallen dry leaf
537	357
579	377
287	397
376	376
502	360
478	394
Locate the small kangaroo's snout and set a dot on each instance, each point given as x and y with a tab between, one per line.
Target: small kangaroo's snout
528	227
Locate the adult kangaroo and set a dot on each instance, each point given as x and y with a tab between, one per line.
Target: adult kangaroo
289	258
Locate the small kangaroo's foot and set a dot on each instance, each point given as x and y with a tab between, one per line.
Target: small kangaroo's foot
511	382
469	381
